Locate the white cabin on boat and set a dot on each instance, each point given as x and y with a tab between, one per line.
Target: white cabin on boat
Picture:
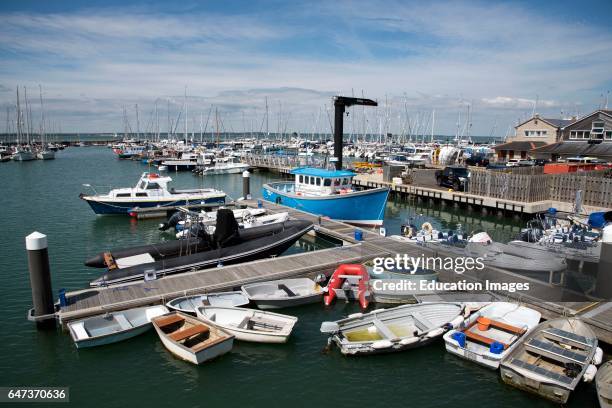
321	182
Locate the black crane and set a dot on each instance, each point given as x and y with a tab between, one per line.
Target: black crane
340	103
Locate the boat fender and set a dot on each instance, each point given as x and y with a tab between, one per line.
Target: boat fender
427	227
409	340
457	321
459	337
598	357
589	374
355	315
467	311
381	344
496	347
434	333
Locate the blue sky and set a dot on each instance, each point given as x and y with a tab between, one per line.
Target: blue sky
93	58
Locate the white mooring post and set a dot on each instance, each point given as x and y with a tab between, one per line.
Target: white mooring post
604	277
246	185
40	280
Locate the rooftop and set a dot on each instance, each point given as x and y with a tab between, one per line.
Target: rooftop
312	171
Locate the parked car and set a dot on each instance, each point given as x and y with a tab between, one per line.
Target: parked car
541	162
512	162
477	160
525	163
453	176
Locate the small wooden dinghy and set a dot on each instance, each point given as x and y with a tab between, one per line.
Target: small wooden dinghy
552	359
113	327
603	381
188	304
191	339
248	324
396	329
283	293
491	333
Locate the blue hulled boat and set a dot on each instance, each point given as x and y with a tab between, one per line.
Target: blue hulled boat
150	191
329	193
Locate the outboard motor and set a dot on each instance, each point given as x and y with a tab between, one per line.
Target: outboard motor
227	229
172	221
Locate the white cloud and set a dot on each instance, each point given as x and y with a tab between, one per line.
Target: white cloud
417	56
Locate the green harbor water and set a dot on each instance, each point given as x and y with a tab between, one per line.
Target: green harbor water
43	196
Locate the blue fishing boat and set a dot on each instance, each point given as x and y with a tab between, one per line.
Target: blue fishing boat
150	191
329	193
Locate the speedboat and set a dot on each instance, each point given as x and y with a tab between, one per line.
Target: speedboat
228	245
150	191
227	165
330	194
491	333
396	329
552	359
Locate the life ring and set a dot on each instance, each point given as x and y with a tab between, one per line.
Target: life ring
427	227
298	193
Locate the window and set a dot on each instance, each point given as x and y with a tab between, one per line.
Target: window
142	195
142	184
327	182
301	179
318	181
608	135
123	195
579	134
312	180
597	127
153	186
336	182
536	133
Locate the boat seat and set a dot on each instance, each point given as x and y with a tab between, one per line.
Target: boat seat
550	350
482	339
383	329
244	323
419	318
288	291
123	322
268	324
501	325
168	321
80	331
206	344
567	336
541	371
190	332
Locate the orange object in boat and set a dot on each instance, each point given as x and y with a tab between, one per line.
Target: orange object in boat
153	175
483	323
336	283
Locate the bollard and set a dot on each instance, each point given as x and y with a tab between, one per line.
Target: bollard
246	185
604	278
40	280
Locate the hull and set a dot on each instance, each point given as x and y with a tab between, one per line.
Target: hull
46	155
123	207
268	304
215	171
196	358
361	207
283	293
253	249
95	342
603	382
188	304
23	156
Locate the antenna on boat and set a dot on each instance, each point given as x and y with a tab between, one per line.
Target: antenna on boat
340	105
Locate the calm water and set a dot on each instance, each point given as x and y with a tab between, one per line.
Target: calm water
43	196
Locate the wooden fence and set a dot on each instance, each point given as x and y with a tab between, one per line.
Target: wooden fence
596	186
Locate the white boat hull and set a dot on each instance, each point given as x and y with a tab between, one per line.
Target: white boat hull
199	357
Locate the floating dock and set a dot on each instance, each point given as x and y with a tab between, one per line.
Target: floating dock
94	301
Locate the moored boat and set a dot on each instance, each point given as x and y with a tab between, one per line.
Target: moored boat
396	329
190	339
552	359
188	304
349	282
603	382
113	327
492	332
330	194
398	285
283	293
150	191
248	324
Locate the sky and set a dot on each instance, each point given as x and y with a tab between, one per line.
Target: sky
426	63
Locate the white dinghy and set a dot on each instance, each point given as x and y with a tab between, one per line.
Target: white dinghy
190	339
188	304
603	382
396	329
248	324
552	359
283	293
491	333
113	327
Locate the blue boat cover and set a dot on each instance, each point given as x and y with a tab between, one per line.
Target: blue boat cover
312	171
597	220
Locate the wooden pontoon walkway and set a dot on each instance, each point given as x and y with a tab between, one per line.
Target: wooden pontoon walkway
95	301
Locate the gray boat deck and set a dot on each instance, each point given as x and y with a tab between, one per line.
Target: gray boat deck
88	302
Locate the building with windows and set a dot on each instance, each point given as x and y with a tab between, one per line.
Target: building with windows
534	133
589	136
